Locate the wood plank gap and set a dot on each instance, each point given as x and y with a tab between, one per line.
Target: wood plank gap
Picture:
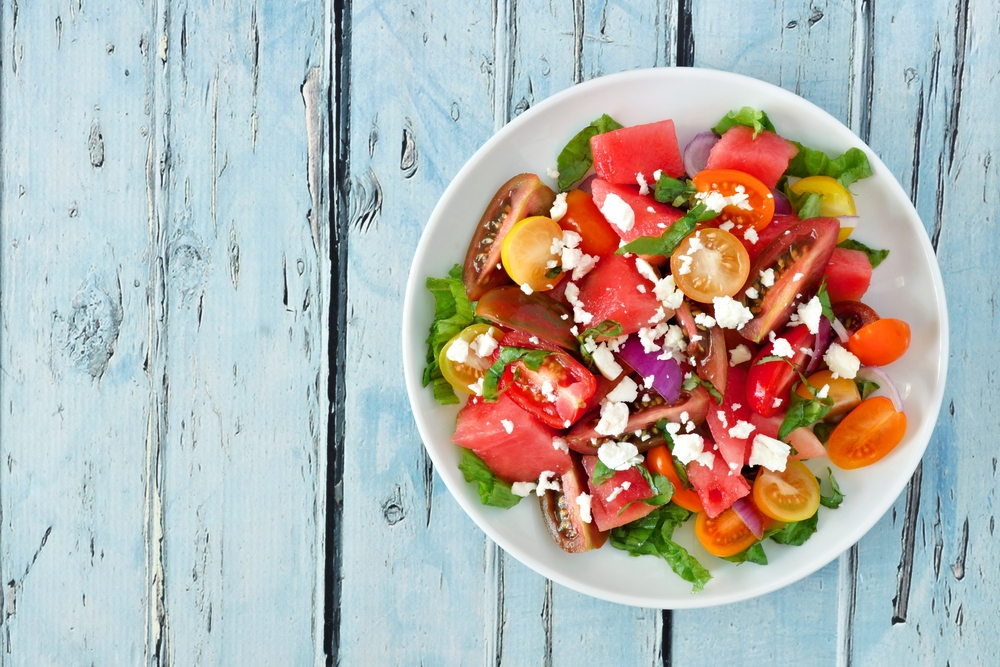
666	34
667	638
547	624
848	595
504	36
6	588
951	125
339	131
579	26
863	62
685	34
494	604
904	573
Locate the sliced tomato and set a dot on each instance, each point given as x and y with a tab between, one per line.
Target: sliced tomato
789	495
854	314
526	253
722	418
729	182
539	314
661	461
520	197
866	434
779	225
848	275
797	260
707	345
769	383
583	217
710	263
880	343
844	392
557	392
718	487
562	517
723	535
463	375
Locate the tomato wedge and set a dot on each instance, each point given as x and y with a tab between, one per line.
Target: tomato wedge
866	434
536	313
769	383
526	253
790	495
844	392
661	461
725	535
729	182
881	342
583	217
709	263
708	346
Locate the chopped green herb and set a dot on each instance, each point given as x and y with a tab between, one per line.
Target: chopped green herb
852	166
576	158
452	313
493	491
804	411
806	205
652	535
824	300
690	383
865	387
822	431
748	116
602	473
752	554
532	359
795	533
661	485
875	257
836	497
667	242
674	192
608	328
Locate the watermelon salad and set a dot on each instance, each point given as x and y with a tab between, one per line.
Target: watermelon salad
666	336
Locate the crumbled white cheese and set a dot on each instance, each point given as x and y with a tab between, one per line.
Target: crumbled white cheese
704	320
548	391
685	416
477	387
739	354
751	235
685	267
483	345
619	455
643	185
618	212
626	391
782	348
546	481
583	502
526	288
658	316
575	330
614	419
841	362
647	381
560	444
707	459
797	277
776	403
770	453
667	293
552	173
641	288
687	447
559	207
650	209
688	427
751	293
824	392
458	351
727	225
721	414
809	314
767	278
615	344
522	489
614	494
807	350
533	340
742	430
606	363
730	313
508	425
645	270
657	174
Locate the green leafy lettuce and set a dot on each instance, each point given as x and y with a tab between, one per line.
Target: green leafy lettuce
493	491
806	205
748	116
852	166
652	535
674	192
875	257
795	533
575	159
452	313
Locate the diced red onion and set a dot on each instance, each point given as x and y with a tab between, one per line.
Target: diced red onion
697	150
823	339
586	184
746	510
881	378
841	330
666	373
781	203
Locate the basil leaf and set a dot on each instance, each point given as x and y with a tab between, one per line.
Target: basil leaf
847	168
875	257
796	533
822	431
806	205
690	383
803	411
833	500
770	358
532	359
493	491
605	328
824	300
576	158
752	554
652	535
664	244
669	190
452	313
748	116
866	387
602	473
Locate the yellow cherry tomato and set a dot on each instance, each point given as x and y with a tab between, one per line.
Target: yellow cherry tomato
790	495
527	253
837	200
469	361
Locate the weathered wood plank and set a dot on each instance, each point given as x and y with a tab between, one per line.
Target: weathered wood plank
76	314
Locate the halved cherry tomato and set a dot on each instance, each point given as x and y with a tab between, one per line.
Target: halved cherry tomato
725	535
729	182
837	200
844	392
708	346
854	314
661	461
866	434
561	513
881	342
583	217
556	393
527	250
716	264
463	375
769	383
536	313
790	495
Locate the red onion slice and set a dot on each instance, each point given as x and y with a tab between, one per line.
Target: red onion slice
746	510
848	220
781	203
587	184
841	330
881	378
823	339
696	152
667	376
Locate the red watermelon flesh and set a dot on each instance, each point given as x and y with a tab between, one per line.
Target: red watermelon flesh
605	512
765	157
641	149
848	275
647	223
611	292
519	456
733	449
718	486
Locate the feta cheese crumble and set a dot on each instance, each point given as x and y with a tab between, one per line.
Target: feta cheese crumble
797	277
526	288
770	453
767	278
643	185
809	314
559	207
508	425
619	455
742	430
841	362
614	419
730	313
739	354
824	392
583	502
522	489
751	293
458	351
552	173
618	212
484	345
751	236
560	444
605	362
546	481
704	320
783	348
626	391
687	447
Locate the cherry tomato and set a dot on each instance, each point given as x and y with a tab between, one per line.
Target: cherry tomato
881	342
790	495
854	314
844	392
661	461
729	182
837	200
866	434
462	375
583	217
725	535
717	264
708	348
561	513
769	384
527	252
536	313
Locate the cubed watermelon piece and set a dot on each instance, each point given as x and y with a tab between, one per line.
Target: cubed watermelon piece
605	512
647	222
611	292
722	418
765	157
620	155
718	486
848	275
520	455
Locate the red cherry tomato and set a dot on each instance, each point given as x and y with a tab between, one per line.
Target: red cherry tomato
726	182
583	217
769	384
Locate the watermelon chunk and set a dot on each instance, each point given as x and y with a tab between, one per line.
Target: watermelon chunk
848	275
723	417
519	456
611	292
718	486
620	155
765	157
647	222
604	511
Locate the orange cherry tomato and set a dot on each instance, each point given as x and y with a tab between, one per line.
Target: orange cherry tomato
716	264
881	342
661	462
726	182
725	535
866	434
790	495
583	217
844	392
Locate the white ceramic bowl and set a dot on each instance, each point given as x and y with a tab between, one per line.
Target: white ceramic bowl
907	285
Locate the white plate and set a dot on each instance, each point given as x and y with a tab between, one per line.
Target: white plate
907	285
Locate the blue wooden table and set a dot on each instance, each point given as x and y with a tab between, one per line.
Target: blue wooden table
207	214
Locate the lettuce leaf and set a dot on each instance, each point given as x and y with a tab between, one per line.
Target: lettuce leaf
834	499
493	491
652	535
576	158
748	116
852	166
452	313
